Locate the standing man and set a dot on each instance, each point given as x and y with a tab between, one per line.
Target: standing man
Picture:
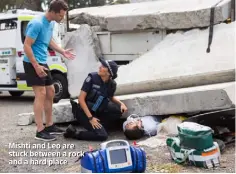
38	38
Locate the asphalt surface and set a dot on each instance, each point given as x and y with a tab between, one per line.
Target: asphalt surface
158	159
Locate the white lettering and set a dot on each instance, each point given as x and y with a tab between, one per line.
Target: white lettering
19	145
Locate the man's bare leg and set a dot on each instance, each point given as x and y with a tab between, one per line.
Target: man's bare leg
40	94
50	127
50	92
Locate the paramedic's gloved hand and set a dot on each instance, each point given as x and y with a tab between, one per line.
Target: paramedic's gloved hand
40	70
95	123
68	54
123	108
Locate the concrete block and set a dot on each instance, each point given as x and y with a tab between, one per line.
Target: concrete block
186	100
86	46
62	112
183	64
181	61
25	119
168	14
177	101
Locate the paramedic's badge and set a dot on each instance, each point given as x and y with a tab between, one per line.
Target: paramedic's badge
88	79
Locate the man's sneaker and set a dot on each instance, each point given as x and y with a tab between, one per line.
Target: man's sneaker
53	130
70	132
44	136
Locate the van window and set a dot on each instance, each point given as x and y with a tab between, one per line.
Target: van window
8	33
23	28
8	24
56	32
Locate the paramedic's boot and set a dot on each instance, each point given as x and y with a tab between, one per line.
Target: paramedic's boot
70	132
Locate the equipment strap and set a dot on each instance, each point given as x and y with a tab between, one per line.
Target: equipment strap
97	103
95	164
212	15
103	162
186	154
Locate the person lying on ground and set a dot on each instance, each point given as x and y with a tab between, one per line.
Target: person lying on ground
98	108
136	127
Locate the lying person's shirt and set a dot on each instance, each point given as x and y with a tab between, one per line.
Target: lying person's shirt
149	123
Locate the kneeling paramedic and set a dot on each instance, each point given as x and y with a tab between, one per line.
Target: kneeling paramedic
98	108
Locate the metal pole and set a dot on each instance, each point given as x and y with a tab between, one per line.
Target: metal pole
67	17
232	10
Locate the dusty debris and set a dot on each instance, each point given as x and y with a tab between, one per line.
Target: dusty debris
165	168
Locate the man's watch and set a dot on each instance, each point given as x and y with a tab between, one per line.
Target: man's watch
90	118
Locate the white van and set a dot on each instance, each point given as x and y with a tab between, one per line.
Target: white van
12	76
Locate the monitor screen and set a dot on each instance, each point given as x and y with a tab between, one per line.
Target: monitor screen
118	156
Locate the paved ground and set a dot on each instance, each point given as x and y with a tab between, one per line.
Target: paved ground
158	159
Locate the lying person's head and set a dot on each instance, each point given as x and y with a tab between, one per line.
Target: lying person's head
133	130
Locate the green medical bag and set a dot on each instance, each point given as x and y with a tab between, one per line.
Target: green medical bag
207	158
195	136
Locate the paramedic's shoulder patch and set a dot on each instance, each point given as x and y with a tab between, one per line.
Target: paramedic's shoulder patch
88	79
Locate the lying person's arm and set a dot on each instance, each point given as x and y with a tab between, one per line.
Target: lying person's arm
122	105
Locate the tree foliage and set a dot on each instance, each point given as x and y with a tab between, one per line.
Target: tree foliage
37	4
121	2
28	4
110	1
86	3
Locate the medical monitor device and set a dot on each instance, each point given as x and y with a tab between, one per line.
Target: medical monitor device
118	154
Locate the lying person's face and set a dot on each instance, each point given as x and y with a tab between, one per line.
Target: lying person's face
131	125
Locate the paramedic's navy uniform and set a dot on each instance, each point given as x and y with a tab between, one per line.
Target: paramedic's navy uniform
94	82
107	112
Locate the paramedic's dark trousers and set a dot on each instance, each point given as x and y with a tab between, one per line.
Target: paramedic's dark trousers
107	118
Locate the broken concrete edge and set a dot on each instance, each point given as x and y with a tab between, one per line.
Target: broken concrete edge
177	82
181	101
121	22
226	87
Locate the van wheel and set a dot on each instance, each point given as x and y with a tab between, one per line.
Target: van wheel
61	87
16	93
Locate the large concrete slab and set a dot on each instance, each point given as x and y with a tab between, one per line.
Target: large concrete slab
168	14
186	100
181	61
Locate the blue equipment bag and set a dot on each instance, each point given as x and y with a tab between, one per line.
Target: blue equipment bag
114	157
